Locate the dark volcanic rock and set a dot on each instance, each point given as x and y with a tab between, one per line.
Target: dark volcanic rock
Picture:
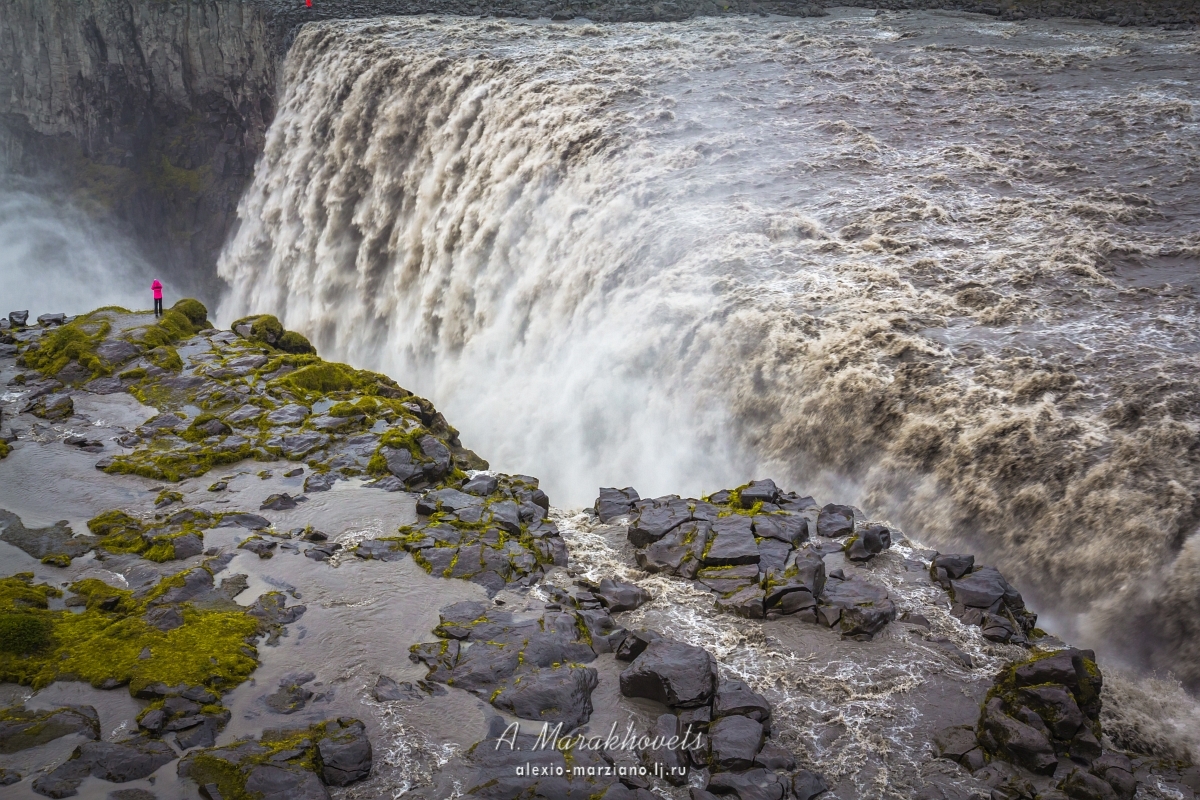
835	520
678	552
617	596
759	492
734	742
785	527
319	482
807	785
870	543
754	784
552	695
732	542
613	503
673	673
634	643
671	761
959	744
735	697
865	608
1020	743
110	761
344	754
983	588
271	782
654	519
278	502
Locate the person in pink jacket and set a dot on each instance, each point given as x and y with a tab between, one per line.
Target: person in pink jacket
156	288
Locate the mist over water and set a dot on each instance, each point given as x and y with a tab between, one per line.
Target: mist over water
54	257
937	266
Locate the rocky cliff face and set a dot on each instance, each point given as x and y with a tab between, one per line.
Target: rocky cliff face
152	113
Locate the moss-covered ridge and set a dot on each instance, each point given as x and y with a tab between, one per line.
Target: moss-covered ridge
94	344
260	393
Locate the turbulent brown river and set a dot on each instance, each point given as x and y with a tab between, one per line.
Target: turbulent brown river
938	265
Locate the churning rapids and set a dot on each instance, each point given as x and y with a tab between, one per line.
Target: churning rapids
937	265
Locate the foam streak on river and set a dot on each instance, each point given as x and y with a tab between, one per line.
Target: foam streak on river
940	265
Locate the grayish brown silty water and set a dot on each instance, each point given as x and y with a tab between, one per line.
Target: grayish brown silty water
939	265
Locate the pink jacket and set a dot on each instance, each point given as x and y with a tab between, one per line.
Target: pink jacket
156	287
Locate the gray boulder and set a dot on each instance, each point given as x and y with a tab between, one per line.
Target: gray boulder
807	785
656	518
669	761
747	602
789	528
617	596
552	695
634	643
870	543
278	502
835	521
678	552
319	482
734	742
754	784
481	485
292	414
439	458
735	697
116	352
983	588
271	782
732	542
18	319
344	754
21	729
1018	742
759	492
613	503
673	673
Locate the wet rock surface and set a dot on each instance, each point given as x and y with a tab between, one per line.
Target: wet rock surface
147	611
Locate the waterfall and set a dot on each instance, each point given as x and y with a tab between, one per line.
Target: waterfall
916	268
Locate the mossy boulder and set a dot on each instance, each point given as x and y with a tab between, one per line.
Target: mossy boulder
195	311
1044	708
300	762
292	342
267	329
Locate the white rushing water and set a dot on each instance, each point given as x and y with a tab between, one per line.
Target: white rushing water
935	265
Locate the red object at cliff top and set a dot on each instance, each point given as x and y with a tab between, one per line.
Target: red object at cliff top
308	3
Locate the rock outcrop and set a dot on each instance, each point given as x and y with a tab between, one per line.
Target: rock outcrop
753	547
1039	733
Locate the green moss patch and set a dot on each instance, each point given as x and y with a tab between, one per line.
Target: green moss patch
75	341
104	644
152	540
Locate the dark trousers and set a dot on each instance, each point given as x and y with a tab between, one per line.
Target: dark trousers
158	306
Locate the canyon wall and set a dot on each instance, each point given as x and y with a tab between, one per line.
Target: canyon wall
148	114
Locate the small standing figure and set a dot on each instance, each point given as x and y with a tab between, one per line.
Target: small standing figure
156	287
